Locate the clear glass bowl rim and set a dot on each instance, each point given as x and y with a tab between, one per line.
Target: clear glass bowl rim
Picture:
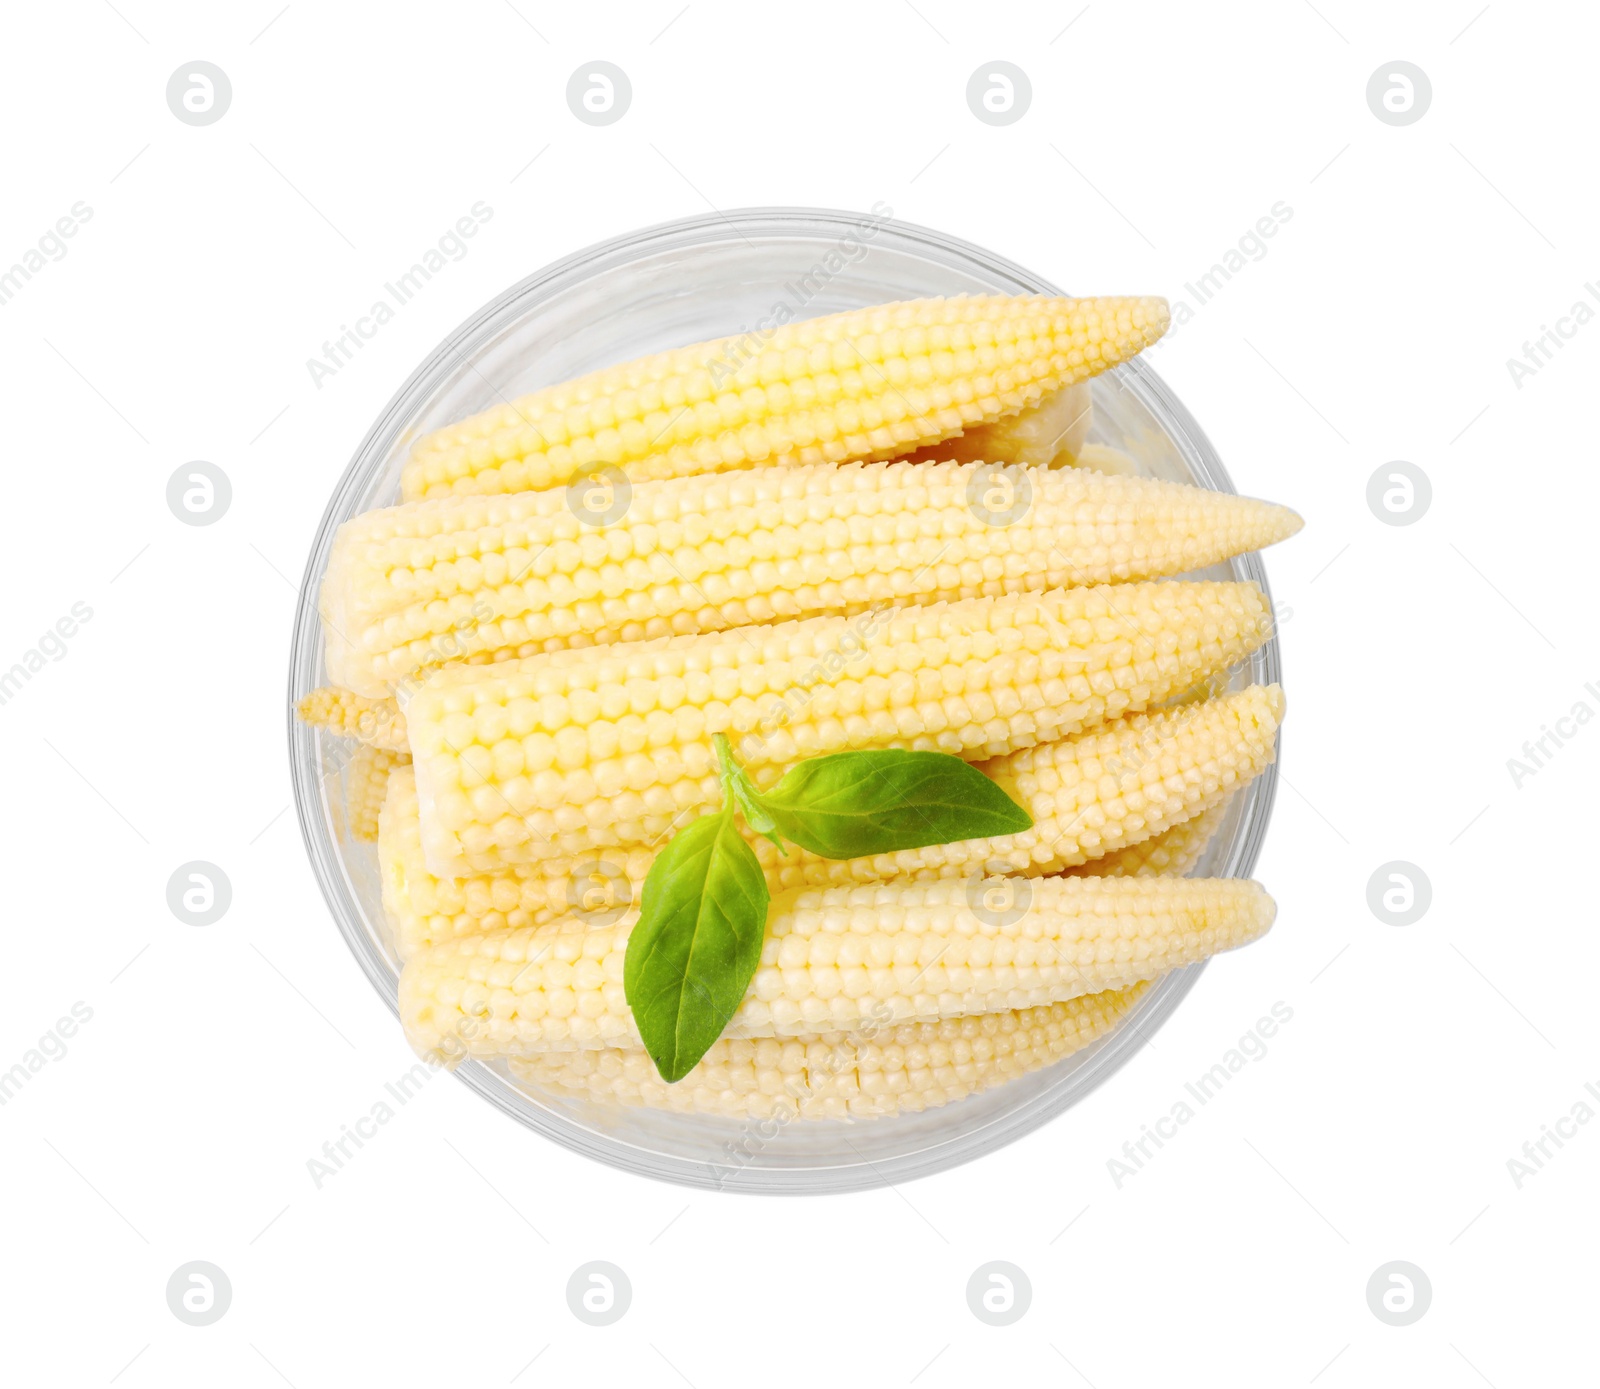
964	1145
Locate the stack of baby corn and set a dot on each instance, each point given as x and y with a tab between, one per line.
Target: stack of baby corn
812	553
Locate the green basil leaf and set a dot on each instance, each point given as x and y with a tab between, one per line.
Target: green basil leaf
696	945
848	804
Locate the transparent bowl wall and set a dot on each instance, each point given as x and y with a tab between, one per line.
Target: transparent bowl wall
662	287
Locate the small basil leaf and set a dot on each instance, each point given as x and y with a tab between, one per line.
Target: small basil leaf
696	945
848	804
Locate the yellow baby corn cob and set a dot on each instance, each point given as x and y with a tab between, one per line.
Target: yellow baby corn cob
838	959
377	722
422	909
1115	785
557	755
1171	762
367	781
866	384
492	578
1170	854
891	1070
1049	434
1112	786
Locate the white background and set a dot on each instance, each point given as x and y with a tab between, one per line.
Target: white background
1377	1127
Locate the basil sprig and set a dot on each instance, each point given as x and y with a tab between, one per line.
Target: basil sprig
703	912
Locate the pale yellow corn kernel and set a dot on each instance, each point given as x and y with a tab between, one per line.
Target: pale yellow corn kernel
366	784
1050	434
861	385
422	909
616	742
873	1073
494	578
1088	795
378	722
1170	854
837	959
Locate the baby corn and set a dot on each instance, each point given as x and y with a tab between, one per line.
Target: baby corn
866	384
377	722
557	755
839	959
870	1074
366	783
493	578
1117	785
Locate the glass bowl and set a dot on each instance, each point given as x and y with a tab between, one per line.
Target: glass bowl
684	282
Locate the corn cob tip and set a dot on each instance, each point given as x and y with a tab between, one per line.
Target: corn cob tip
376	722
1285	522
315	707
